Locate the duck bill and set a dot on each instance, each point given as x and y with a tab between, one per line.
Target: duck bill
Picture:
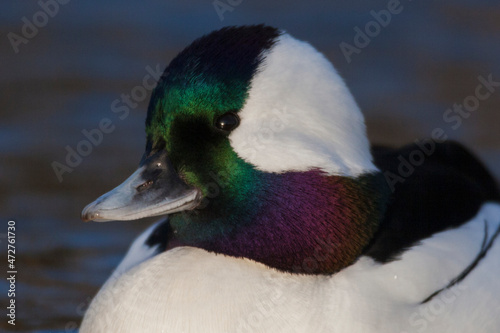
153	189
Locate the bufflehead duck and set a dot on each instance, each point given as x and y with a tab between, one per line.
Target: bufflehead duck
281	218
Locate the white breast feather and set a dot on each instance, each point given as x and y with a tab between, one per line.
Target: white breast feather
188	290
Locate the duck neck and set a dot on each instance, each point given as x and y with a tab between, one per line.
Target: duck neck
300	222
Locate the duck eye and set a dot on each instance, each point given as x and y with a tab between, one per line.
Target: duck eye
227	122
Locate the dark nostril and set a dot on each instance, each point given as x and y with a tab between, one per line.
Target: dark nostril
144	186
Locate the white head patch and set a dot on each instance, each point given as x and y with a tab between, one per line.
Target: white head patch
300	115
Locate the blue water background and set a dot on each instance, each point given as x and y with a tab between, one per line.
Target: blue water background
65	79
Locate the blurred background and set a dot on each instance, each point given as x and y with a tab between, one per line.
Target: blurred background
64	67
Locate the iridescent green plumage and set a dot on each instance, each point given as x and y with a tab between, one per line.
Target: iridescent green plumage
208	78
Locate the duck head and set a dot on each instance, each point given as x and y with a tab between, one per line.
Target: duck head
256	149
